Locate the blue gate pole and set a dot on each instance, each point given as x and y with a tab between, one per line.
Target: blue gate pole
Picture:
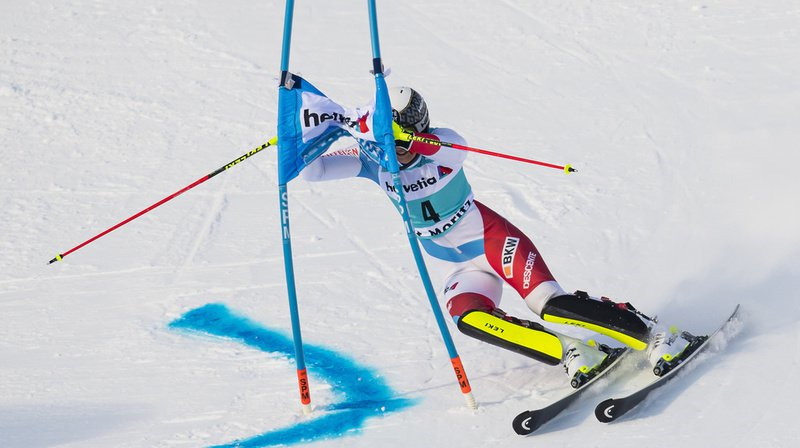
302	375
383	122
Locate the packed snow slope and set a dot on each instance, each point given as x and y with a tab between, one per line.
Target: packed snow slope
681	117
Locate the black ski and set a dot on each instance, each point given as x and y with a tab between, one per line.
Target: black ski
614	408
529	421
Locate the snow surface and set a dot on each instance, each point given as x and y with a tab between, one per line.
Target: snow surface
681	117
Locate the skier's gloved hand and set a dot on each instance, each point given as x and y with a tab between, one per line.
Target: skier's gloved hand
401	134
403	140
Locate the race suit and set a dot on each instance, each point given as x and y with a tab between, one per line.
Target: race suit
475	247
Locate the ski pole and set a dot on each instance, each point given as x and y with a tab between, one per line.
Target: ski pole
271	142
566	168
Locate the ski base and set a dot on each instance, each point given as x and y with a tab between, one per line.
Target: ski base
614	408
529	421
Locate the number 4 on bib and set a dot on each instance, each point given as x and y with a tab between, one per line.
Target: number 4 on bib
428	213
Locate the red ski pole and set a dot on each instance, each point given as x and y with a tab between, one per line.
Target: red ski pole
566	168
271	142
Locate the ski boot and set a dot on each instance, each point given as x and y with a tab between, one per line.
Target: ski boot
670	347
583	361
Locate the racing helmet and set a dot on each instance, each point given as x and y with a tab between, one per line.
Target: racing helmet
409	109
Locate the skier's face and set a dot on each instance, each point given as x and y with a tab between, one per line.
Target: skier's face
403	156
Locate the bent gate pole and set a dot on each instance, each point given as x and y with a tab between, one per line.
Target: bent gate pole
383	124
302	375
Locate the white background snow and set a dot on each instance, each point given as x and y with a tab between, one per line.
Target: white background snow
681	116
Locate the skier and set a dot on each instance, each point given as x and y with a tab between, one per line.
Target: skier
479	249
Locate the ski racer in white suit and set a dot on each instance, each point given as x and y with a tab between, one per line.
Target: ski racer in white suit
479	250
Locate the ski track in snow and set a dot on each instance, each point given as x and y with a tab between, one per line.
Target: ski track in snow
680	118
211	220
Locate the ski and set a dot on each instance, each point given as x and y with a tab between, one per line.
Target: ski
529	421
614	408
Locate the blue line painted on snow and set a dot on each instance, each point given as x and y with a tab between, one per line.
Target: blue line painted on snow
364	394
